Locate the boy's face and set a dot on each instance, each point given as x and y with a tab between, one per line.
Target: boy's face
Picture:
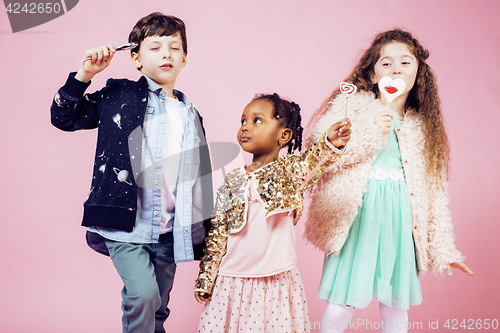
161	59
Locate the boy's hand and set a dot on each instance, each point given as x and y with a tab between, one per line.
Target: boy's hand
383	119
340	133
202	296
100	59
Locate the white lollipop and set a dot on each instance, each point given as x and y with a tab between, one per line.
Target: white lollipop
391	89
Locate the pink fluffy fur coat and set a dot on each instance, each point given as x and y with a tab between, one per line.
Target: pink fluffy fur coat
335	200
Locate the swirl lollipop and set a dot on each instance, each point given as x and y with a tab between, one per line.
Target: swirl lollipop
347	89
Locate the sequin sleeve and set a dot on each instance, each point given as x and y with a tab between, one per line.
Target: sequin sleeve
282	187
312	164
216	242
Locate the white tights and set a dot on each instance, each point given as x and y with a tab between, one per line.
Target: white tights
337	317
395	319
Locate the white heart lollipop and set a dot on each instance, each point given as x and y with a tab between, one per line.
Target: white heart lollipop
391	89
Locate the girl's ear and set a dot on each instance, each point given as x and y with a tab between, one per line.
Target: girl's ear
284	135
372	78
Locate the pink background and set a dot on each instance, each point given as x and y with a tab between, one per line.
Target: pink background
50	281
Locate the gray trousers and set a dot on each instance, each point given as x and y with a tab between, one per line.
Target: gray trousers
147	272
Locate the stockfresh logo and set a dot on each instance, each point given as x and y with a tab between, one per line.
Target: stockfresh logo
28	14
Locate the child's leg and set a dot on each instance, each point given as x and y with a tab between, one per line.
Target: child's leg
395	319
141	291
164	270
336	318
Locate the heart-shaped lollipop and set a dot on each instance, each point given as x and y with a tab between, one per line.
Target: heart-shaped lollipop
391	89
347	89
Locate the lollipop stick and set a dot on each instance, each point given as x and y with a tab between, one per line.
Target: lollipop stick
347	89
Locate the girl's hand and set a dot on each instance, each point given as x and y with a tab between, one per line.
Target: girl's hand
202	296
460	266
340	133
100	59
383	119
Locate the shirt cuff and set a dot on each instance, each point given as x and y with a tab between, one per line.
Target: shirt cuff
331	146
202	290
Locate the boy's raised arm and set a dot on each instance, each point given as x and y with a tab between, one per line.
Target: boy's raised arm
70	110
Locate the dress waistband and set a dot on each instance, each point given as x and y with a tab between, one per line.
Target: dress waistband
382	174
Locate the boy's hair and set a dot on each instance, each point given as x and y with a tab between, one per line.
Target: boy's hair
157	24
288	114
423	97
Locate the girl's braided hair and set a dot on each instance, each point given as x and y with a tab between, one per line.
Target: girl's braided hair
288	114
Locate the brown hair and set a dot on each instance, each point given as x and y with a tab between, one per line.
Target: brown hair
423	97
157	24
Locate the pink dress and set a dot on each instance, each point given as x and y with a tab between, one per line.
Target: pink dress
258	288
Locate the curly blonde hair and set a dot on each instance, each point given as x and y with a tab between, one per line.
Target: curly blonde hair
423	97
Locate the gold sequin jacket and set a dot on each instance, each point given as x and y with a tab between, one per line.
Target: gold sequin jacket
281	185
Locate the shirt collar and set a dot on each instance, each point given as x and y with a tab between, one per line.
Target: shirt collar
181	97
154	87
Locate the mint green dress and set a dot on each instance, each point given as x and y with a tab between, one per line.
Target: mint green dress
378	257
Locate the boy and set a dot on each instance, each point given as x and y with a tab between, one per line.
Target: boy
148	206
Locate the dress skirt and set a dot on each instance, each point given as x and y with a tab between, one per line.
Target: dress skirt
269	304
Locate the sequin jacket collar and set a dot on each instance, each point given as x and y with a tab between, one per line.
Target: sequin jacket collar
280	184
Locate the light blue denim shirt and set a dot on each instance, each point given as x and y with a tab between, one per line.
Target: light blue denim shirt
149	201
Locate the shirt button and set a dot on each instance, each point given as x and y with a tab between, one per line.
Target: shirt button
156	213
156	182
411	194
398	130
158	151
162	121
161	100
406	162
415	227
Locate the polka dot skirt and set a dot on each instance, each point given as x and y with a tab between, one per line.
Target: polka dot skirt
266	304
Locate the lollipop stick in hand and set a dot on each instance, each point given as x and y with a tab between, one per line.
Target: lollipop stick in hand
347	89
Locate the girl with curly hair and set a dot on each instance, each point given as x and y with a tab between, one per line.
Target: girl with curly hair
380	214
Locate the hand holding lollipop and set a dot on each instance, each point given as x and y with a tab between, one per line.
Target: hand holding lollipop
347	90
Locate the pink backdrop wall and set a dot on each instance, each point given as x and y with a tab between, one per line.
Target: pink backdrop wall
50	281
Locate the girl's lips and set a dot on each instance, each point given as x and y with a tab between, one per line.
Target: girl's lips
244	138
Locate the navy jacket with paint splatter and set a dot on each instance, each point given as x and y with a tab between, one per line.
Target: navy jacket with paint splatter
111	203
